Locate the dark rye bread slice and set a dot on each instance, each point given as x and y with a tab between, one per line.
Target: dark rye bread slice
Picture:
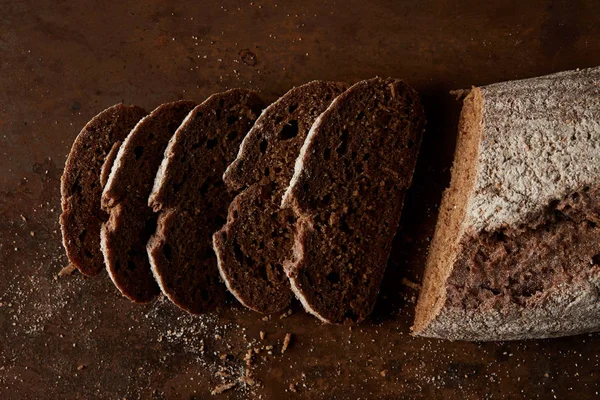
347	193
258	237
81	184
192	200
125	198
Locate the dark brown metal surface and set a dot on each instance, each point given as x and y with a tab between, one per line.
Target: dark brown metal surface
61	62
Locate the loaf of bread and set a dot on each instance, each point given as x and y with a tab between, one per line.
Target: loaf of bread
347	194
82	182
258	237
516	250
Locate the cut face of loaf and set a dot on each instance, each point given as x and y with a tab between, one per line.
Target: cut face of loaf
125	198
517	245
191	198
258	237
347	193
82	183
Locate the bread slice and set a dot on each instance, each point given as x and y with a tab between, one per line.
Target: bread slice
125	198
516	250
258	237
81	186
347	193
192	200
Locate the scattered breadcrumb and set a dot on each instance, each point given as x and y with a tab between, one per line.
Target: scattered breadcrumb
222	374
411	284
248	358
286	314
247	379
32	233
266	318
293	388
223	388
80	367
68	270
262	335
286	342
383	373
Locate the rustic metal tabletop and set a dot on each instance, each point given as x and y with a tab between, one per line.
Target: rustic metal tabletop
62	62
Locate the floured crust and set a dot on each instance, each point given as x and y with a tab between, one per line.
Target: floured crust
257	239
191	198
347	193
517	256
569	309
544	133
82	183
125	197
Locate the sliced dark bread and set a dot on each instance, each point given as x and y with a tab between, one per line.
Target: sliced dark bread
258	237
192	200
347	193
125	198
81	186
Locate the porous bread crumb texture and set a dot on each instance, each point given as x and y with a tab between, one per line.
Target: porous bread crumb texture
81	184
532	272
192	199
258	236
347	192
125	198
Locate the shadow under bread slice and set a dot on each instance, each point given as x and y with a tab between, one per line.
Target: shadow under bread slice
347	193
125	198
81	184
191	198
258	237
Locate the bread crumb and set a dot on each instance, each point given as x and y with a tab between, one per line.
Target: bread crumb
384	373
248	358
223	388
286	314
266	318
293	388
80	367
262	335
32	233
68	270
410	284
247	379
222	373
286	342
